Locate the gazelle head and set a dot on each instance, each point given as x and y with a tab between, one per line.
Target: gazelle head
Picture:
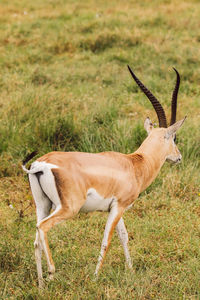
166	135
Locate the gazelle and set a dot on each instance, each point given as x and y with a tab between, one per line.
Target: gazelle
70	182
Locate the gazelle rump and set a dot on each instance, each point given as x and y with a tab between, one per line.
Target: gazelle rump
70	182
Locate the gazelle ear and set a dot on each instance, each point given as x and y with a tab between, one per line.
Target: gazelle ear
173	128
148	125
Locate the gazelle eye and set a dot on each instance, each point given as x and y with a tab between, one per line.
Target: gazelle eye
175	138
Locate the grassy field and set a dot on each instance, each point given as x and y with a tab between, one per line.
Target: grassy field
65	86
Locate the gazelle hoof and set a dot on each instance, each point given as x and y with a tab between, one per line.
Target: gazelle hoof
51	276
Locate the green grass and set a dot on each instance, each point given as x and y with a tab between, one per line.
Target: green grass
65	86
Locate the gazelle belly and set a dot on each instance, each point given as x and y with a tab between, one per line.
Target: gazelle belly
95	202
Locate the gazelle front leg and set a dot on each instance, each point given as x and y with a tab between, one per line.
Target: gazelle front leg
113	218
123	236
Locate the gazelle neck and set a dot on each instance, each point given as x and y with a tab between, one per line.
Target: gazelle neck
154	154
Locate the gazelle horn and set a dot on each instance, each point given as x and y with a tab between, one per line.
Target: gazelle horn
174	98
156	104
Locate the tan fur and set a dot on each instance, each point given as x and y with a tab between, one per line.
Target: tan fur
110	173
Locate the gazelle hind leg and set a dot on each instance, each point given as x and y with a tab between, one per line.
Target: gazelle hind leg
50	184
43	207
113	218
45	193
123	236
44	226
38	259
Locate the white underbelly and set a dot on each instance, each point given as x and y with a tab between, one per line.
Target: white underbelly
95	202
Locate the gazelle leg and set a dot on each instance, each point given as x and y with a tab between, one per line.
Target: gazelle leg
38	258
44	226
43	207
38	247
113	218
123	236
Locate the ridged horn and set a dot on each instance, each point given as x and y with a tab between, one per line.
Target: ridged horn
156	104
174	98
